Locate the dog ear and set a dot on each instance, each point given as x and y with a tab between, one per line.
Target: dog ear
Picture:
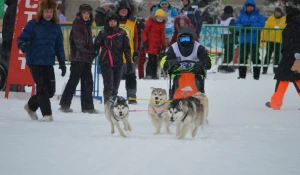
116	101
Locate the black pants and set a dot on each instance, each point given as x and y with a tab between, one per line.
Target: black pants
228	52
271	47
44	79
245	50
151	69
131	84
200	82
111	78
79	71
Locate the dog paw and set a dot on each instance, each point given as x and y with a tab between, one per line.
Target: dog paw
156	133
168	131
123	135
125	129
112	131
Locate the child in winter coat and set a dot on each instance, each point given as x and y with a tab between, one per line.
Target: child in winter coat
290	55
154	41
114	43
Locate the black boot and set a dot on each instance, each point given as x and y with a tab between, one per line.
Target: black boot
242	72
265	70
275	70
106	95
256	73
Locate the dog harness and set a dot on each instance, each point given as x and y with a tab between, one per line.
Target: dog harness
159	114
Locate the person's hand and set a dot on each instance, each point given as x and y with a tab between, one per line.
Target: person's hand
145	45
24	46
62	67
199	64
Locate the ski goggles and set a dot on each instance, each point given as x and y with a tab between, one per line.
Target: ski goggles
164	4
184	38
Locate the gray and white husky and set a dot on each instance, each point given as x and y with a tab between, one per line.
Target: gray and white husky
116	109
157	109
188	113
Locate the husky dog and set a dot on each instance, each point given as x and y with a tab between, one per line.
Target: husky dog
157	109
187	113
116	109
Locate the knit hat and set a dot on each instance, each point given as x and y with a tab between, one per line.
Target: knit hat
48	4
85	8
159	12
228	9
104	3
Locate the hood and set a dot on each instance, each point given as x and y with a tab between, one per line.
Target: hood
180	17
250	2
164	1
101	10
10	2
111	15
124	4
186	30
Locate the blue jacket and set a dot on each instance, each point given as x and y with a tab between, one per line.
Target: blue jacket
254	19
46	42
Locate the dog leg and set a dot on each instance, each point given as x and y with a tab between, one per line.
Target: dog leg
156	124
195	131
125	125
178	126
112	131
183	131
167	124
120	129
129	126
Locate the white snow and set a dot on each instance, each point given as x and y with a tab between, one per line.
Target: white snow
243	136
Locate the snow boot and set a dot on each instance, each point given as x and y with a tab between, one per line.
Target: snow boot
106	96
65	109
268	104
32	114
242	72
47	118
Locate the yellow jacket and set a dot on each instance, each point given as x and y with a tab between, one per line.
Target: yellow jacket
274	35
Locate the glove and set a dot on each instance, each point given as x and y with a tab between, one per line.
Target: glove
24	46
199	64
135	56
247	28
297	56
171	65
145	45
62	66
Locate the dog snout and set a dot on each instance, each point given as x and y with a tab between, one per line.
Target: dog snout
172	119
120	113
156	98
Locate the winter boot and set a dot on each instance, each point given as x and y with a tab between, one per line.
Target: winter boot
32	114
242	72
47	118
106	96
256	73
268	104
65	109
91	111
275	69
265	70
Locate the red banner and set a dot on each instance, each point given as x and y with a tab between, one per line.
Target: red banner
18	72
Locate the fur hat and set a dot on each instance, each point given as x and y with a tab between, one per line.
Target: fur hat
228	9
47	4
104	3
85	8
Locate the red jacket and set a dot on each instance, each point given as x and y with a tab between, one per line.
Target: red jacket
154	35
177	28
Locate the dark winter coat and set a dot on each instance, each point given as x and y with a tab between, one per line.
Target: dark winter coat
46	42
253	19
114	43
81	41
9	20
154	35
100	16
177	28
194	16
290	46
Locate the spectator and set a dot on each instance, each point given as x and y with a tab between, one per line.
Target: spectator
193	14
61	16
228	39
171	14
249	17
154	42
273	38
290	55
42	39
101	12
114	43
128	23
81	57
180	22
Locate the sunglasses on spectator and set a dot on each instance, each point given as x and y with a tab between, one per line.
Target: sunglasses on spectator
164	4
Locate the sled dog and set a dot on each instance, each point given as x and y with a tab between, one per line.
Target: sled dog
157	109
116	109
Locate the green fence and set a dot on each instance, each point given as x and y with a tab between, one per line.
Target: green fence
1	8
240	46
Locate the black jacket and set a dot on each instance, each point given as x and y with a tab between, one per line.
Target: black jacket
290	46
9	20
195	17
114	43
100	16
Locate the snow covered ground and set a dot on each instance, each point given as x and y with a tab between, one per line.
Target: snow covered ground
243	136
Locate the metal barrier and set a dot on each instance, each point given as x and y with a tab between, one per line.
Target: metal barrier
235	46
96	73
